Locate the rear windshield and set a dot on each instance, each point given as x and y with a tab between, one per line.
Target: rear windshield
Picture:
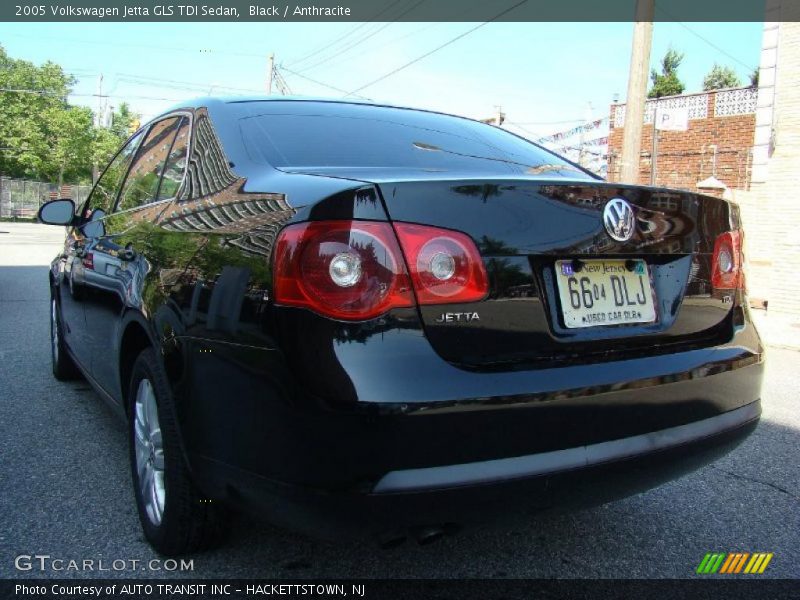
308	134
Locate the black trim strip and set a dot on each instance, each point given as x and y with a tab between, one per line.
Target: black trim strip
532	465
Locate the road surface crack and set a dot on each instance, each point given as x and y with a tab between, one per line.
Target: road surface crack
754	480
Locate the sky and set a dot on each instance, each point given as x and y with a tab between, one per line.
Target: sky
547	77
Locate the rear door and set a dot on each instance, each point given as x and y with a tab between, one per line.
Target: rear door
81	279
119	266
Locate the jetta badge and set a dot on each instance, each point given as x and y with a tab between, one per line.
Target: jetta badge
619	219
458	317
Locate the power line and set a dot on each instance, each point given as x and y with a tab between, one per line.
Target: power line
39	92
130	97
336	41
325	85
392	41
148	46
361	40
710	43
687	28
419	58
525	129
145	79
193	86
280	82
345	36
65	94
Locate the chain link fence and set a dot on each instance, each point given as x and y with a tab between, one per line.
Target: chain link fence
21	198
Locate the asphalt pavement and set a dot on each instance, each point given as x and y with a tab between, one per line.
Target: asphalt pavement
65	489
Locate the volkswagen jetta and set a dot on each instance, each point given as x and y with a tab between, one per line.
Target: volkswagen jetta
347	316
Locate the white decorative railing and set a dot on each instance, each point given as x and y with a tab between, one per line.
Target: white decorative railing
696	103
739	101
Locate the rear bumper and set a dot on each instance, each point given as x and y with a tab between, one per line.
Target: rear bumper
490	490
424	439
582	457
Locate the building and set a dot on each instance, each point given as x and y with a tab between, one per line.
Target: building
771	207
716	147
747	139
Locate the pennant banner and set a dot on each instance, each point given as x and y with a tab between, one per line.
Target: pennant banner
602	141
561	135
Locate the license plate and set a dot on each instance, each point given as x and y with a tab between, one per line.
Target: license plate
605	292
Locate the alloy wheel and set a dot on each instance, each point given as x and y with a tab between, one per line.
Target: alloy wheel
149	448
54	337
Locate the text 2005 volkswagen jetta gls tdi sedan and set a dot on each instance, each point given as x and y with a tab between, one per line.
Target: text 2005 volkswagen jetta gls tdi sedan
346	315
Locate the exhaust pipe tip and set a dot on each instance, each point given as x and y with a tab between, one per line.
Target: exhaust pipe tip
423	535
392	539
428	535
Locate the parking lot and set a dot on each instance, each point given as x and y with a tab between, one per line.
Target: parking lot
66	488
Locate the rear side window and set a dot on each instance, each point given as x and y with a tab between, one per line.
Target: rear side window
176	163
141	185
303	134
105	191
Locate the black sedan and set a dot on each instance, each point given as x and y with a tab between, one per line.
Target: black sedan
353	317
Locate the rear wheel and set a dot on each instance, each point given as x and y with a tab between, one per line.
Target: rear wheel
175	516
64	368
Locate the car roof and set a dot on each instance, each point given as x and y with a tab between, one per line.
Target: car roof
220	101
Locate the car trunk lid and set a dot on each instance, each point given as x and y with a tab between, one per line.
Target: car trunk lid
530	233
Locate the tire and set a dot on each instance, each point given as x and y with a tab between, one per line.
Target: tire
176	518
64	368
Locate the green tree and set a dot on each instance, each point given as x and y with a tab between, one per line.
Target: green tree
719	78
105	145
124	122
667	83
42	136
31	105
754	78
70	145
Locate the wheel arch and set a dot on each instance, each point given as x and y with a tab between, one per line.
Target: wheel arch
137	335
135	338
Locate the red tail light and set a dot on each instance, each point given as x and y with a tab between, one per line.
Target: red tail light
350	270
354	270
88	260
445	265
727	263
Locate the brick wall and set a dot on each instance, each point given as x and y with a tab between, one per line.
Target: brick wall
686	157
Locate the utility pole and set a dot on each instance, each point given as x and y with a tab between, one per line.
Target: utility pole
270	72
98	123
654	152
637	87
498	118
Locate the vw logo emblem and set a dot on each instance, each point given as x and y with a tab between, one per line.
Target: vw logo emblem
619	219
